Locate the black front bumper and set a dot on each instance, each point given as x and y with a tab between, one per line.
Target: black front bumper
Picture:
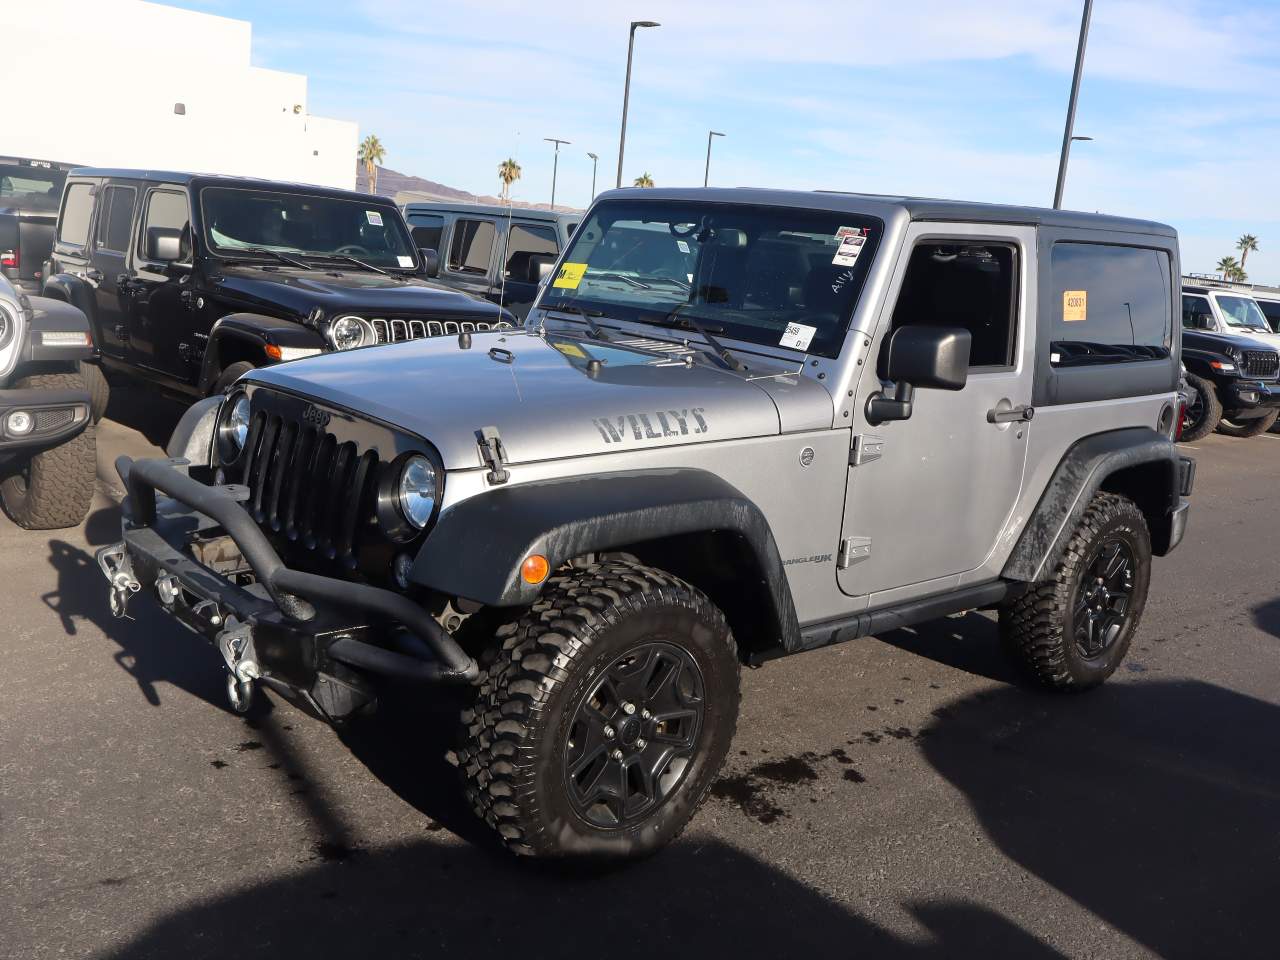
1249	399
319	637
58	414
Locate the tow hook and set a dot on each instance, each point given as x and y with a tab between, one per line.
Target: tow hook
114	563
236	645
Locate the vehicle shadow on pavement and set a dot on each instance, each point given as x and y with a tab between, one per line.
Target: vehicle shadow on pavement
1267	617
970	642
144	409
428	900
1153	804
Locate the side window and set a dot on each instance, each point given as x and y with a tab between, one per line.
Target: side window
1271	310
426	229
115	219
524	241
974	286
73	225
1196	313
472	248
166	210
1109	304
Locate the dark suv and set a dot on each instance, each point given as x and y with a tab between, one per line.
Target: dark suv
191	280
1234	378
29	192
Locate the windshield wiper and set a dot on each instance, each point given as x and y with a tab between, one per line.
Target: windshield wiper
588	317
638	284
674	321
264	252
349	259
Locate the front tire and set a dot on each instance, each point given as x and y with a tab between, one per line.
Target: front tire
1070	632
95	381
55	487
604	717
1249	428
1203	413
226	380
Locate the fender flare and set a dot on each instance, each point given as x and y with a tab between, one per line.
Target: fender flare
477	546
71	289
1198	361
192	438
55	314
1084	470
255	331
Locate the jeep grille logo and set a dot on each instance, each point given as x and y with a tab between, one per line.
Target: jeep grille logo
315	416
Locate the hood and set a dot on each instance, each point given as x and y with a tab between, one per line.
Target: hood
547	397
336	290
1209	341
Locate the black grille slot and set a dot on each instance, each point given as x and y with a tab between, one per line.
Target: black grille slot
1261	364
306	485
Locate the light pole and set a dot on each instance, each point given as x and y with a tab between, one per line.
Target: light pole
594	160
626	89
555	166
1071	106
706	174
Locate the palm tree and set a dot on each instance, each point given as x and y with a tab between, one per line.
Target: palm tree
371	153
508	172
1245	244
1227	266
1238	274
644	180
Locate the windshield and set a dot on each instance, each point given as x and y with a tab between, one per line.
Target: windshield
776	276
296	224
1243	312
30	186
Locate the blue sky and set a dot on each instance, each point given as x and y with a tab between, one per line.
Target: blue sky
931	98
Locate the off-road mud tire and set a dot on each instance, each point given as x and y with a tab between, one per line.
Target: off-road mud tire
512	742
1210	405
228	377
1248	428
1037	630
56	487
95	381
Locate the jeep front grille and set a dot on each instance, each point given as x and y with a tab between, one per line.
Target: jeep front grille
1261	364
395	330
307	487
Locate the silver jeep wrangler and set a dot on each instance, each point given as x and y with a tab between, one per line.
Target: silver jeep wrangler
737	424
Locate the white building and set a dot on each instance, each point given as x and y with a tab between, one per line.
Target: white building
124	83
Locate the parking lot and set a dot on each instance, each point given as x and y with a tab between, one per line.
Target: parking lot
896	796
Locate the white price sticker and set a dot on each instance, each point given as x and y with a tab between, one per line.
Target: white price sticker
797	336
848	251
405	262
374	217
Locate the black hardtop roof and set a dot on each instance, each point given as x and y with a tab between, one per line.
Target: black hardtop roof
196	180
916	208
489	209
38	162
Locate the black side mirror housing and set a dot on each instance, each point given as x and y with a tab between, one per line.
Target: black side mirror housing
540	267
931	358
164	244
430	261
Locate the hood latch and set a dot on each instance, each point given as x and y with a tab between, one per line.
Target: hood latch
493	453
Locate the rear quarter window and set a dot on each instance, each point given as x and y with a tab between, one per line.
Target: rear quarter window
77	210
1110	303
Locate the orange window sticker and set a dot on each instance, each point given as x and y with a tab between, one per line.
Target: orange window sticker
1075	305
570	276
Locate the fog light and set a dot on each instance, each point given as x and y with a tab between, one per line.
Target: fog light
1248	398
535	568
19	423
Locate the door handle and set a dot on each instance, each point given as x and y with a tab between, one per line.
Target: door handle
1011	414
93	274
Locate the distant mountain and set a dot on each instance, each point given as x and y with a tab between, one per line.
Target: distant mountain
393	183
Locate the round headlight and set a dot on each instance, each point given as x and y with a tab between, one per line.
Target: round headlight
236	426
7	326
347	333
417	490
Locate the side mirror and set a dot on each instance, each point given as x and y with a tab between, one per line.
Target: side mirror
931	358
164	244
540	267
430	261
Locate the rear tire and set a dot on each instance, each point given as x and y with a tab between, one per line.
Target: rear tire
226	380
604	716
1248	428
1070	632
55	488
95	381
1204	412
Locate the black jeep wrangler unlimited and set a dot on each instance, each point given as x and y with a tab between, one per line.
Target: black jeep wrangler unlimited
191	280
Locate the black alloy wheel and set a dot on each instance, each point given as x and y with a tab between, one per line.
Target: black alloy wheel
1102	599
633	734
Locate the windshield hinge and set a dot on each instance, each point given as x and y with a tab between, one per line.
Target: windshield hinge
865	449
493	453
852	549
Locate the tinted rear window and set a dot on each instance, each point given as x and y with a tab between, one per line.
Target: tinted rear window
1111	304
26	185
73	225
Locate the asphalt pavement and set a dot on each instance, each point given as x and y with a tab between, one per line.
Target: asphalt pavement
902	796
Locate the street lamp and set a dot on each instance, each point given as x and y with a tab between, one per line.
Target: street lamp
555	166
706	174
626	89
1071	106
594	160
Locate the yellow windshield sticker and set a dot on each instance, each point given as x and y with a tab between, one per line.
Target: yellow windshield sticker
570	276
1075	305
570	350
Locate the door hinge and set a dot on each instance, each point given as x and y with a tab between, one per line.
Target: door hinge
852	549
493	453
865	449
